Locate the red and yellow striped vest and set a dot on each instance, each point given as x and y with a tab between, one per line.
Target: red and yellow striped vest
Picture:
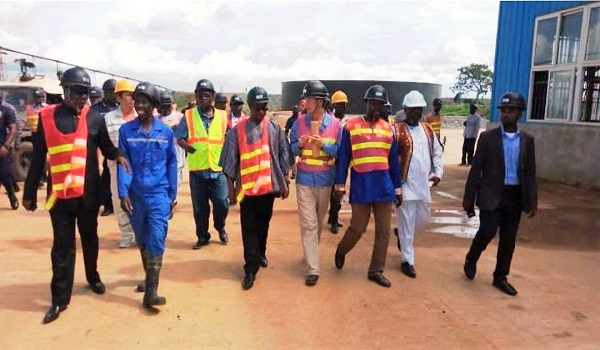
33	116
371	143
255	162
320	162
435	122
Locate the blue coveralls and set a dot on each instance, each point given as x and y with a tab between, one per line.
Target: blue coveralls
152	185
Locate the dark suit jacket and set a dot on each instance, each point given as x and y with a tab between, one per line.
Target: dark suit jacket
66	121
485	183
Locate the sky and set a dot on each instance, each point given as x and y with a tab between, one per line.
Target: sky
238	45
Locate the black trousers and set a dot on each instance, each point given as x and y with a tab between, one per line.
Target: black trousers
6	178
506	218
105	192
334	208
255	216
468	149
63	247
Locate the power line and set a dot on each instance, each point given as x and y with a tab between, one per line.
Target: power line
76	65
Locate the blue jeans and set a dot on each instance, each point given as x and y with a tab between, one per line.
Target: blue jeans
203	189
150	221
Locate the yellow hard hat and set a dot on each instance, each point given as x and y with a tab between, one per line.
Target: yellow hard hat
124	85
339	97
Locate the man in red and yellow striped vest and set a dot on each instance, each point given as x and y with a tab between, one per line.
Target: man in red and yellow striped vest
70	134
436	119
33	110
256	159
314	138
202	134
369	147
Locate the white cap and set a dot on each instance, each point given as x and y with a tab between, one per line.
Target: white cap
414	99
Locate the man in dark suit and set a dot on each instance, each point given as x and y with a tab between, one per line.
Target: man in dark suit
502	182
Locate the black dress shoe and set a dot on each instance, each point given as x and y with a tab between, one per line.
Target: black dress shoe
470	268
248	281
340	259
201	243
311	280
98	287
223	236
14	203
333	228
380	279
505	287
106	212
53	313
339	224
408	270
264	262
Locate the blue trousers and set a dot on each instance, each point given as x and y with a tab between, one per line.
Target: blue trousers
203	189
150	221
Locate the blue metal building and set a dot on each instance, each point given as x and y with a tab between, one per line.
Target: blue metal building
549	51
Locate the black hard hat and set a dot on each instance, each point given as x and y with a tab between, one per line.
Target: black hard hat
39	93
204	84
109	85
257	95
220	97
95	92
376	92
512	99
437	100
165	98
236	100
314	88
75	76
149	90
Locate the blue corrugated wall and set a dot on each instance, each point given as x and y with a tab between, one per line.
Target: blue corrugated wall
514	45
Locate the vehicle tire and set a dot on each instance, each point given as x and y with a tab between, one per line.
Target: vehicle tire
21	160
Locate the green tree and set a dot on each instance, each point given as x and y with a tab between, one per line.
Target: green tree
474	77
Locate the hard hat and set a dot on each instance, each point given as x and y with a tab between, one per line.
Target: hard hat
124	85
414	99
165	98
339	97
314	88
95	92
236	100
220	97
109	85
257	95
204	84
149	90
75	76
39	93
376	92
512	99
437	100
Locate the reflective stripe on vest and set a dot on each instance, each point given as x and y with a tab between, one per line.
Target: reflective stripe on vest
435	122
371	143
208	145
309	161
255	162
67	156
33	117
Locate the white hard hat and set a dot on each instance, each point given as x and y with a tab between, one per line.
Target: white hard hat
414	99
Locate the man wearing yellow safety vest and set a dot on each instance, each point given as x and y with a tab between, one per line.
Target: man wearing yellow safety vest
314	138
71	134
202	134
436	119
256	159
369	146
339	100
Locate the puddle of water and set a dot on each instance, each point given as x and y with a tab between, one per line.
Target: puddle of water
455	220
446	195
457	231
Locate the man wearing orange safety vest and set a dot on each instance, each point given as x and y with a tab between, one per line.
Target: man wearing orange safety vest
256	159
202	134
369	147
33	110
314	138
70	134
436	119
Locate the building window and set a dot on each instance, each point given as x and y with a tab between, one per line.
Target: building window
565	72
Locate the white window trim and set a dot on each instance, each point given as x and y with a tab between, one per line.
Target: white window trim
576	67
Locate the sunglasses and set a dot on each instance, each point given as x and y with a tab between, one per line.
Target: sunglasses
79	90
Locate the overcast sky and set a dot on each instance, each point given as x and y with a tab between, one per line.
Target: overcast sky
238	45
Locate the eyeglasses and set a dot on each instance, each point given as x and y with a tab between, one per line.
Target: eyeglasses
79	90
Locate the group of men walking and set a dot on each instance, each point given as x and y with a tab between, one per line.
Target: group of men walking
234	158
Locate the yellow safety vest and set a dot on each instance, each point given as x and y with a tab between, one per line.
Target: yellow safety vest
209	144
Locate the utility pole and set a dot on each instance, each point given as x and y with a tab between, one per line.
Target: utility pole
2	77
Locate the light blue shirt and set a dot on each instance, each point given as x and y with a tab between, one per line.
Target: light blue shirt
512	148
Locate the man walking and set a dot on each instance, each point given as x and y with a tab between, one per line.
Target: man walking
256	159
236	103
172	118
421	162
70	134
8	135
502	182
339	100
470	136
368	144
148	193
436	119
202	134
315	138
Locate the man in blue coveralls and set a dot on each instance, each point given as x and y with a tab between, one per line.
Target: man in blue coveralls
148	193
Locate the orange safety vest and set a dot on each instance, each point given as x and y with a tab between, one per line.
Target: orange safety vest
33	117
435	122
67	156
255	162
371	143
320	162
405	145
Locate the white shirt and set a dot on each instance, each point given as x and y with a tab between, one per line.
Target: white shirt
114	120
416	186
